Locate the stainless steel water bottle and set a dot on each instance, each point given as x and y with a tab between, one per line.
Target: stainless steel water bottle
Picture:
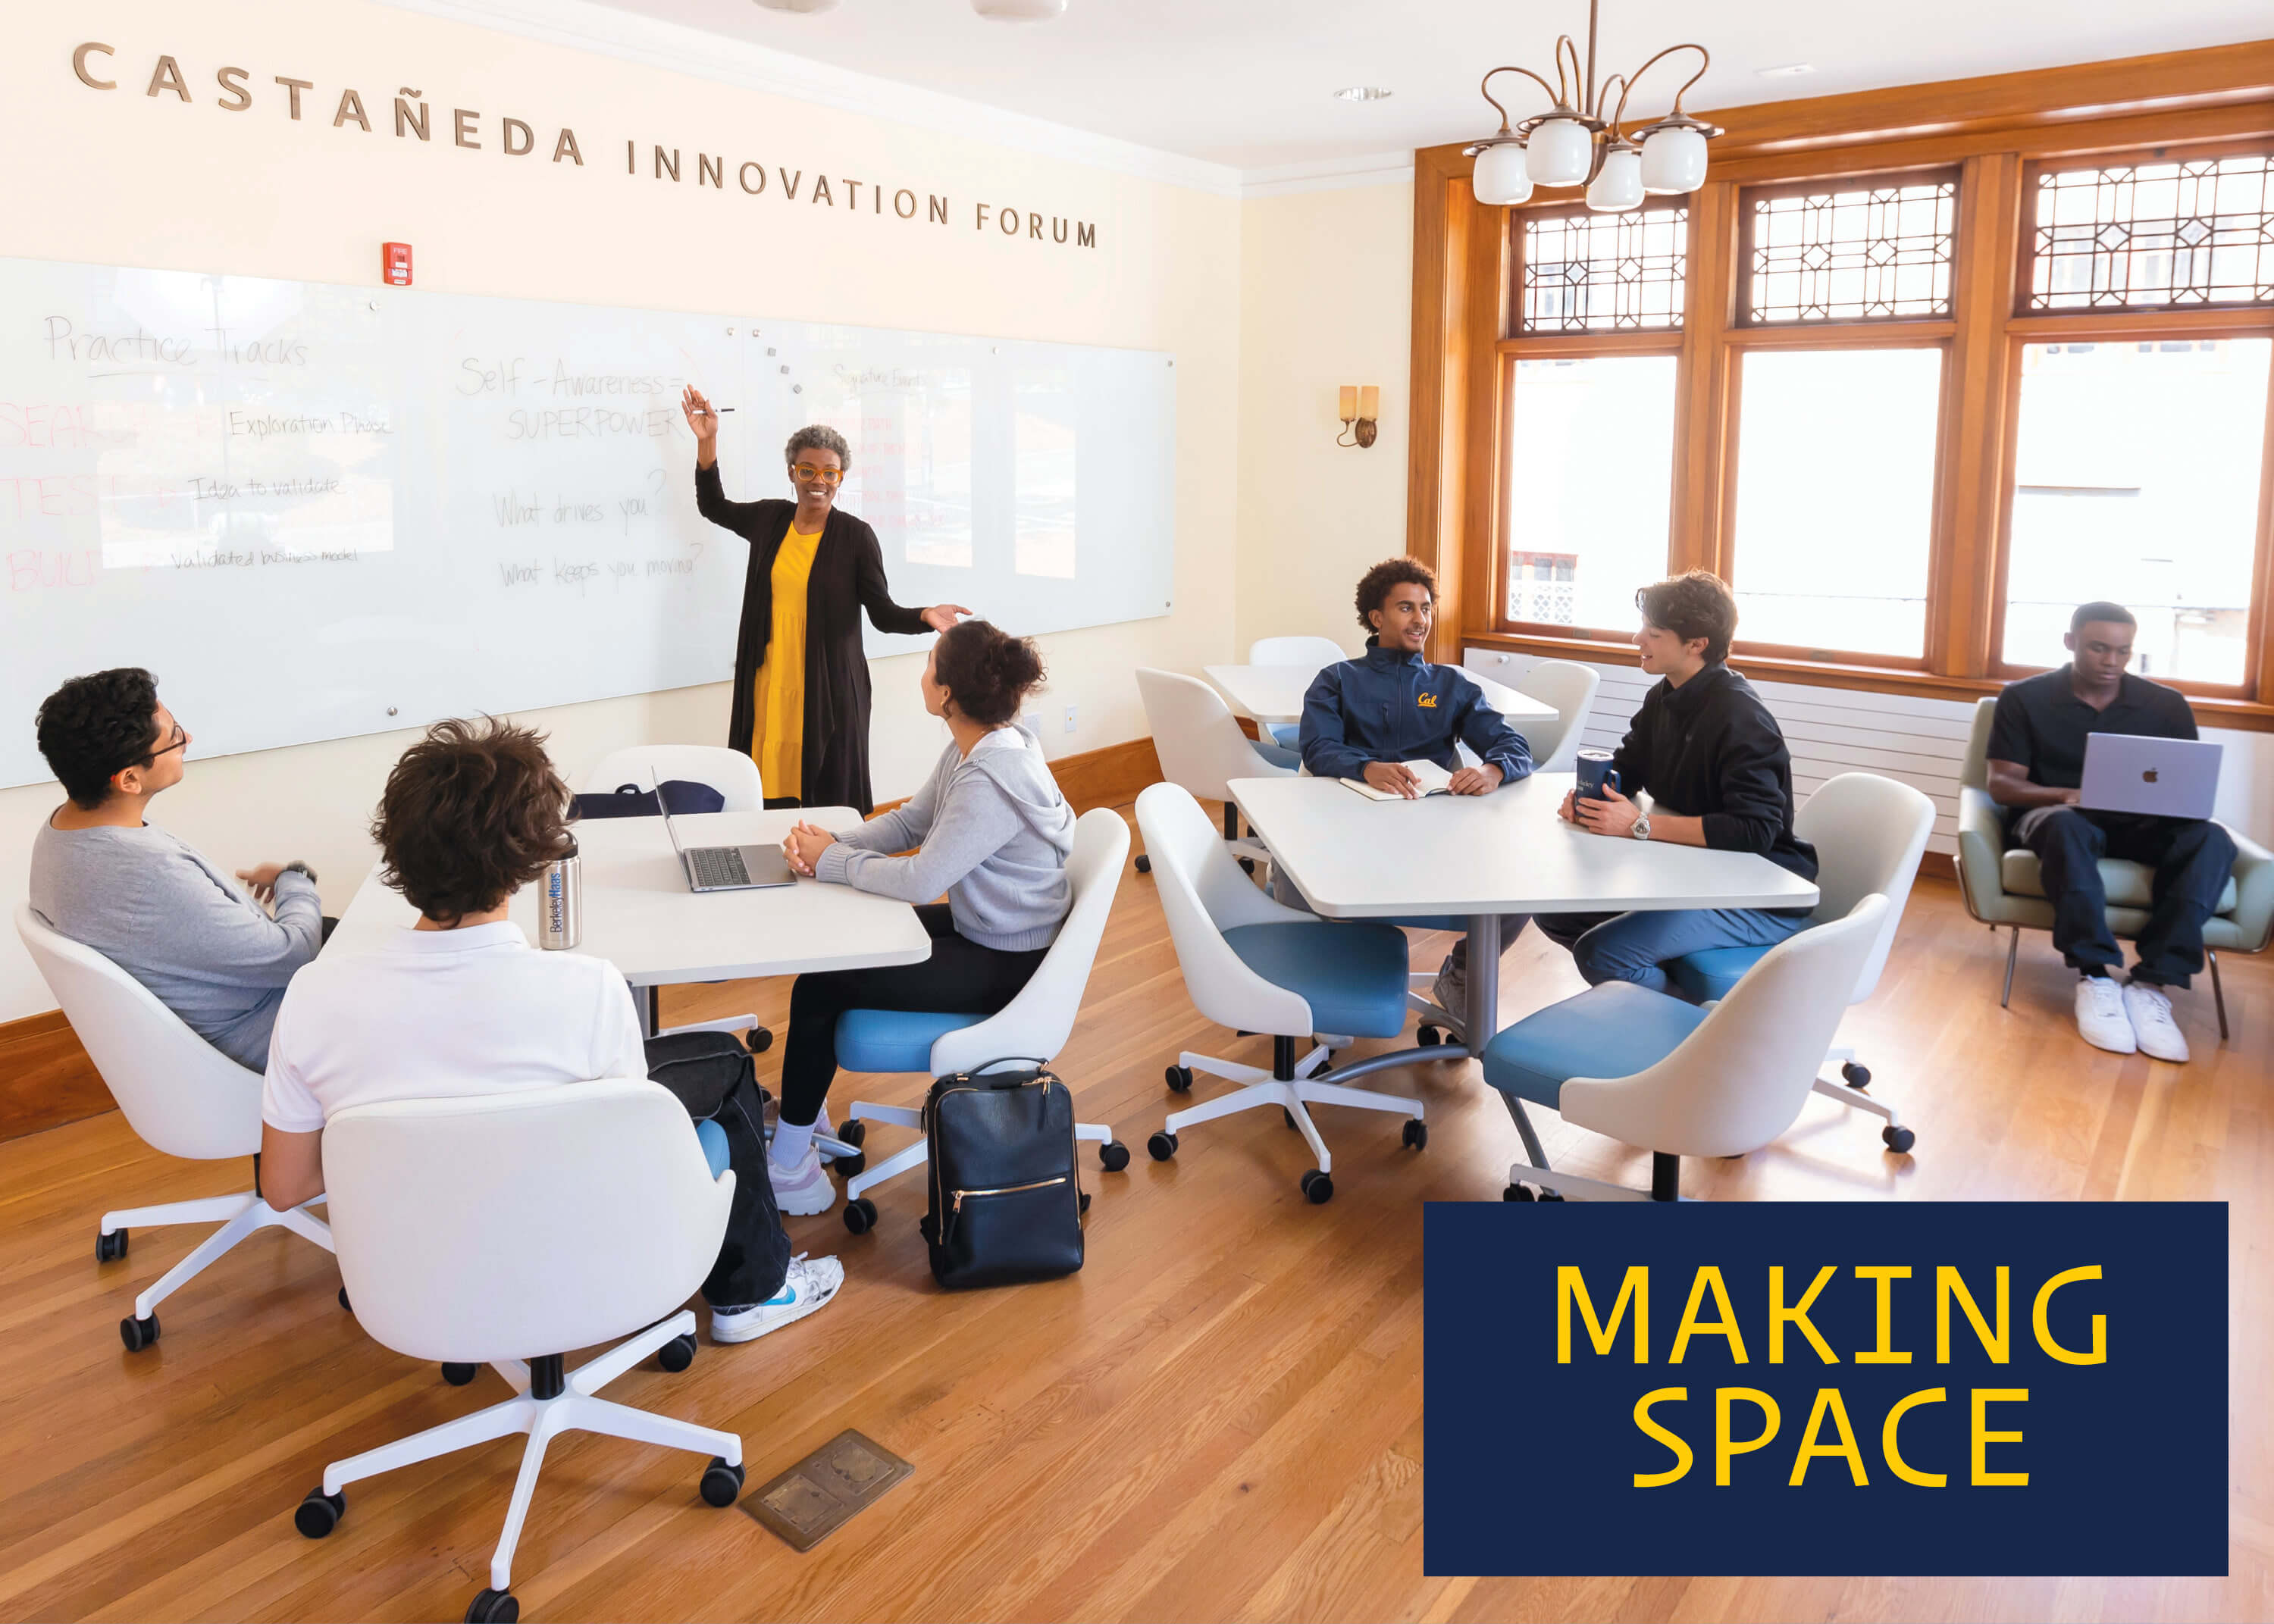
560	924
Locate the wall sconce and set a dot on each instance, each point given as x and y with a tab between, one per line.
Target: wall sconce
1360	409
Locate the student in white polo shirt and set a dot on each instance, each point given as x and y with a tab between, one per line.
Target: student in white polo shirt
459	1004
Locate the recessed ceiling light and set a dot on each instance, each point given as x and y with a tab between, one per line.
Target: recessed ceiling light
799	5
1791	69
1019	11
1363	92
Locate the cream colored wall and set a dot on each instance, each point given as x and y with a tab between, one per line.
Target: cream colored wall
121	177
1326	299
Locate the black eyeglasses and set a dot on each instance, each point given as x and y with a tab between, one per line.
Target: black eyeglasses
181	737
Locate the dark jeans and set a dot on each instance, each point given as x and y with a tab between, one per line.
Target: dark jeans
1637	947
2191	858
754	1257
961	978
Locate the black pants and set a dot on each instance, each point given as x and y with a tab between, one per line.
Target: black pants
2191	858
961	978
754	1257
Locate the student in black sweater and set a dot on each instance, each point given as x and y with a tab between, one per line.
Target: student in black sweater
1714	764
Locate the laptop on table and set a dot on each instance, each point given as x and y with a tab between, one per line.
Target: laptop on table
2162	777
727	868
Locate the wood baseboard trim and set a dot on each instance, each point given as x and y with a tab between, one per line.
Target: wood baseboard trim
46	1079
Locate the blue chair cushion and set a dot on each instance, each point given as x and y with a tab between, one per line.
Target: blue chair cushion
1434	922
1290	734
1613	1030
1353	976
1278	755
894	1040
1704	976
712	1138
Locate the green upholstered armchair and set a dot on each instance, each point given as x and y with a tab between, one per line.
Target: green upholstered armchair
2002	889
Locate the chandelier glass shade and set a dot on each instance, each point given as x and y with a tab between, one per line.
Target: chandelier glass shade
1582	139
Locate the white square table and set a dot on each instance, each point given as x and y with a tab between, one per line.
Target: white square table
1481	856
1273	693
639	914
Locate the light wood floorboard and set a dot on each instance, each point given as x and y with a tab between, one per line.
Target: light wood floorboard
1219	1417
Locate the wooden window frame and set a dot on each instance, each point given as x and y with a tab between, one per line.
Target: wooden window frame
2182	103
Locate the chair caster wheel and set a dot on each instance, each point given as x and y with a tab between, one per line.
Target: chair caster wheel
321	1513
1318	1187
1161	1146
1416	1133
138	1333
852	1166
722	1484
1854	1075
1144	863
854	1133
860	1216
1248	865
1428	1037
494	1607
459	1375
1517	1193
1551	1195
1113	1155
1083	1207
111	1247
344	1300
677	1354
1899	1140
1179	1080
758	1040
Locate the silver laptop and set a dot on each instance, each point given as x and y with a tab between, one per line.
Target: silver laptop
727	868
2167	778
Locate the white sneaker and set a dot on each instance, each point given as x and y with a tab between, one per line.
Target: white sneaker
811	1283
2150	1011
803	1190
2100	1018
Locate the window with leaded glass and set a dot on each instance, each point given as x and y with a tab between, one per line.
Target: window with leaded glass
2159	235
1589	273
1872	249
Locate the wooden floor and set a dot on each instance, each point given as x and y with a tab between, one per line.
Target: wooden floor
1219	1417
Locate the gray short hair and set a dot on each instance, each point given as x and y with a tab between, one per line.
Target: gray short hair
819	437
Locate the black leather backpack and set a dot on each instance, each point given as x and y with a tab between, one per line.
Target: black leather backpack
1006	1195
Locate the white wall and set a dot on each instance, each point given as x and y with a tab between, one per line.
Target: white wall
121	176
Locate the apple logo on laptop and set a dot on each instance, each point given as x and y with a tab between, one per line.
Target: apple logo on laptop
2148	777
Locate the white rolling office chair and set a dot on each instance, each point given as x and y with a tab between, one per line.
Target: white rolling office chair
1032	1027
503	1228
1680	1081
1255	966
1570	687
1869	833
182	1096
1314	654
1202	749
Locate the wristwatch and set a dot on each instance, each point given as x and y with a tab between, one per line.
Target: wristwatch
1641	830
297	866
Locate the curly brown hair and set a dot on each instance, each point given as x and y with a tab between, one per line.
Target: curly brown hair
1373	586
1696	604
95	727
986	672
472	813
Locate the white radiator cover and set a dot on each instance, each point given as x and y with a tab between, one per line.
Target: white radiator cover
1919	741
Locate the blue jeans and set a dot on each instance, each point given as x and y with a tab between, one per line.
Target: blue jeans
1637	947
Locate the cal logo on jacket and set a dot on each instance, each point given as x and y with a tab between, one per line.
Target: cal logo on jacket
1427	699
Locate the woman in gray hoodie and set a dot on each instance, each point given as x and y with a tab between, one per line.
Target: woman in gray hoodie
989	829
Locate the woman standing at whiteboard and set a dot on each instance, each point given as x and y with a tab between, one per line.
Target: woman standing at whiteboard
800	679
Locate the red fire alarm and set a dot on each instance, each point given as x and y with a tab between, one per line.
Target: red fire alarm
394	264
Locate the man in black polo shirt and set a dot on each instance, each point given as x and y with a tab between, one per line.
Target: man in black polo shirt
2037	767
1715	765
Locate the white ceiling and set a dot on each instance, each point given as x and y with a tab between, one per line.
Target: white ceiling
1249	83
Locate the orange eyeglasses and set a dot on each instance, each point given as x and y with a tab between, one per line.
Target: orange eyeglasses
827	476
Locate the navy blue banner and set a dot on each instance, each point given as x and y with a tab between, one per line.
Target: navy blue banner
1825	1388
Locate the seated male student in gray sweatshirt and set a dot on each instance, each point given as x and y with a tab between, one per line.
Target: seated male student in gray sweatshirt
991	830
103	876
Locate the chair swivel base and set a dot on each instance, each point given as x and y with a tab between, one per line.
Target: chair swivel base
239	1215
861	1212
547	1402
1286	1086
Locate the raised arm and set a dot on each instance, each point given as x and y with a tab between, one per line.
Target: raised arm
876	596
710	489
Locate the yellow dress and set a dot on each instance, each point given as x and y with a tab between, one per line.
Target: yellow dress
778	734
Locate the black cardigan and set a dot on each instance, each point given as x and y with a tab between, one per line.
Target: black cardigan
848	576
1711	750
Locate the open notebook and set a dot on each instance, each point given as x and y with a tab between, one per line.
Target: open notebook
1430	777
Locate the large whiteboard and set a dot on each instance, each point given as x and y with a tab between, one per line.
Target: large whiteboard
316	511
